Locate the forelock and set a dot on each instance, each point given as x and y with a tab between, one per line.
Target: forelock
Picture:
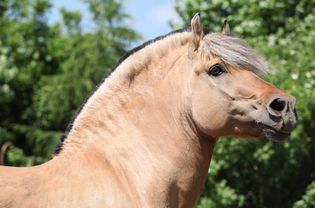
235	52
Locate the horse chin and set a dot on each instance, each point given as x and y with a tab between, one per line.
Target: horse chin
272	133
242	132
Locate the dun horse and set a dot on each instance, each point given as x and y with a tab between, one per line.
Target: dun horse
146	135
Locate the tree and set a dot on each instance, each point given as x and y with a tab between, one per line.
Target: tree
47	71
25	45
263	173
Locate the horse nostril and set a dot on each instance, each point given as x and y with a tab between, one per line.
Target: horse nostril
277	104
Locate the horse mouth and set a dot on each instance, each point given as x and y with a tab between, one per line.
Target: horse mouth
272	133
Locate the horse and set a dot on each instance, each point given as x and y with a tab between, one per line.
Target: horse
145	137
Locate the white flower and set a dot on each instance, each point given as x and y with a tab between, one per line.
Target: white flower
295	76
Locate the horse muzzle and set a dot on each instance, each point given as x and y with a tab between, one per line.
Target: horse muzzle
282	117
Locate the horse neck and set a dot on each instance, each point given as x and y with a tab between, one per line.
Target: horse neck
137	122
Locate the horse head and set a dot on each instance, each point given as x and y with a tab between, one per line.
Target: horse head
227	95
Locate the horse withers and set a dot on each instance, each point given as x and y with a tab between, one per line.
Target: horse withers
145	137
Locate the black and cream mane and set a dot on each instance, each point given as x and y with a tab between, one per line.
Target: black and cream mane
123	58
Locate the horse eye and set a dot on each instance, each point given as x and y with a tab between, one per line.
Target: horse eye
216	70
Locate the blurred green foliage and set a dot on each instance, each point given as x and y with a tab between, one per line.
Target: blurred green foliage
308	200
47	71
264	173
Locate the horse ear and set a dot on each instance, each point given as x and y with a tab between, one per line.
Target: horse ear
197	31
226	28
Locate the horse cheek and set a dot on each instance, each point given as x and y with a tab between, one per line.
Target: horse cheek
209	112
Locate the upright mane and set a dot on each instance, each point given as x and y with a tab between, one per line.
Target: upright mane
122	59
232	50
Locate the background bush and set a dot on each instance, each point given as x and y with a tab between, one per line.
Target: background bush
47	71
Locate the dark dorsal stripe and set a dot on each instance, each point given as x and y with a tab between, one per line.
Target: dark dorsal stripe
129	53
